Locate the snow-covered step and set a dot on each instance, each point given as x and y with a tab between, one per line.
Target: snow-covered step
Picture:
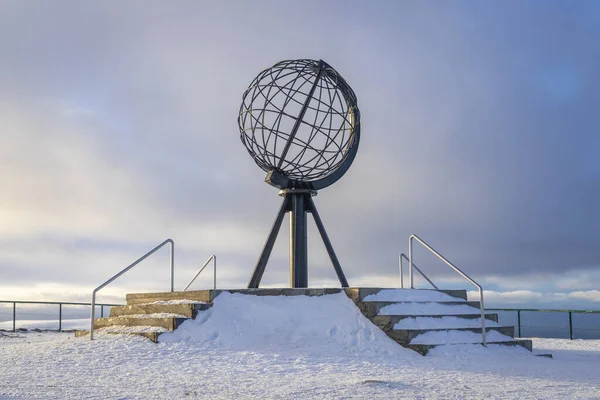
444	322
150	332
170	323
397	295
205	296
426	308
456	336
408	336
383	294
430	339
388	322
184	307
424	348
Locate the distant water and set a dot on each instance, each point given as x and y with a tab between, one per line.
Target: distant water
552	324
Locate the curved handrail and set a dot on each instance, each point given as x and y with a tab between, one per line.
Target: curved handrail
403	256
431	249
214	260
139	260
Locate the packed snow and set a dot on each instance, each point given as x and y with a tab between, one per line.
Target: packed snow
410	295
153	315
441	323
458	337
427	309
178	301
130	329
258	348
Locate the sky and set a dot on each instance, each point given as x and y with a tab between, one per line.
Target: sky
479	133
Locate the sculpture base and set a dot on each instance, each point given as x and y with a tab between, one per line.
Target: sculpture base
297	202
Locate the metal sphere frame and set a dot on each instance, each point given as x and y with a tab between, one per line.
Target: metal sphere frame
300	122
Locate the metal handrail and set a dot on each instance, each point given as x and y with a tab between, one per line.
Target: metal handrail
479	288
214	260
139	260
403	256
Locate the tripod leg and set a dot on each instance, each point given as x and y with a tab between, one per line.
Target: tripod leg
261	264
328	246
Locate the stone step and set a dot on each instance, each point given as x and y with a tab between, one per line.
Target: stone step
358	294
404	336
189	310
205	296
208	296
424	348
169	323
387	322
372	308
153	336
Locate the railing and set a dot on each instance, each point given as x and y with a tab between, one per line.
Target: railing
40	323
571	324
139	260
432	250
403	256
212	258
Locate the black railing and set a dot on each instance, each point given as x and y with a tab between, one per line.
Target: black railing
561	324
44	315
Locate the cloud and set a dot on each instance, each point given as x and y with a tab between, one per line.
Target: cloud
477	135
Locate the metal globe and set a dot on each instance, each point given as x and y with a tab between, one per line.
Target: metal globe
300	122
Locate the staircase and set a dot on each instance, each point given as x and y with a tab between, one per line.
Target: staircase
416	319
151	314
423	319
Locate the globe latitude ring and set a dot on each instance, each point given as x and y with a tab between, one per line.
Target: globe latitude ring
300	122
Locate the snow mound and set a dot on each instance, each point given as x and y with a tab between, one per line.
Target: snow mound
427	309
323	325
441	323
458	337
410	295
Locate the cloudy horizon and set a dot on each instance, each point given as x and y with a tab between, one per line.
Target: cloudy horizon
479	134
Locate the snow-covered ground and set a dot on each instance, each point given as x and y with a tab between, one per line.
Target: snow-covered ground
294	347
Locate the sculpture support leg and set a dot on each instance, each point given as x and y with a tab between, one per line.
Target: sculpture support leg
298	242
328	246
261	264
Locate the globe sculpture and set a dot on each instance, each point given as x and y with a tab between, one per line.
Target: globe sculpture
300	122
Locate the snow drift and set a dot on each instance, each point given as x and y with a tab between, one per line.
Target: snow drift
330	324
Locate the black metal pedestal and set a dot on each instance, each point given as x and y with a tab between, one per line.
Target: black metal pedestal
297	203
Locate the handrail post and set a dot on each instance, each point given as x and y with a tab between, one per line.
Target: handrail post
519	322
482	308
59	317
14	316
93	315
410	262
214	272
172	254
401	272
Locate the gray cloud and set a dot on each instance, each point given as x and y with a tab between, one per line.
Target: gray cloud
119	129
